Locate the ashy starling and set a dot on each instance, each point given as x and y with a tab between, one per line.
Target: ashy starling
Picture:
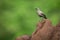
40	13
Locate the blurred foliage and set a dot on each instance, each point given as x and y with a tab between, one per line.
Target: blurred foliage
18	17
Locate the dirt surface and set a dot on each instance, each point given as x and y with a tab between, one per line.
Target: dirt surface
44	31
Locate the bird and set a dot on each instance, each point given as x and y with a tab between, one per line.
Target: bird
40	13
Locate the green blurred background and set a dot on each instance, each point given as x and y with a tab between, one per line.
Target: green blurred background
18	17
